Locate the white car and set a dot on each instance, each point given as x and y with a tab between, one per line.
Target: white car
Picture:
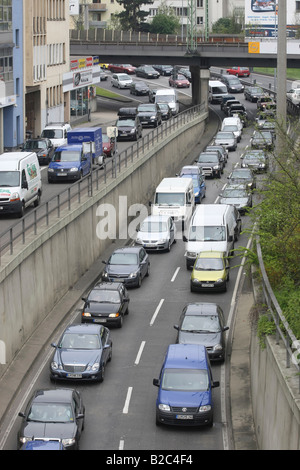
293	95
121	80
156	233
233	124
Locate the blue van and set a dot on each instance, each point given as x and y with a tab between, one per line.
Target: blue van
185	387
69	163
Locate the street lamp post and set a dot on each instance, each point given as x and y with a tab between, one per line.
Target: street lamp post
281	74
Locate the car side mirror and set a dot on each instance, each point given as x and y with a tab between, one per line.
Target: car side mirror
54	345
225	328
156	382
24	185
230	238
215	384
21	414
176	327
184	238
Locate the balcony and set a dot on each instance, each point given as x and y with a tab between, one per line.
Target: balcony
97	7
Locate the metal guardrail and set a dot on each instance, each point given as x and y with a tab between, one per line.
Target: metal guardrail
283	330
51	211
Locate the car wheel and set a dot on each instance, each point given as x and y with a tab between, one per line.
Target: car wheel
38	200
22	210
139	282
148	270
192	288
102	373
110	355
120	322
169	246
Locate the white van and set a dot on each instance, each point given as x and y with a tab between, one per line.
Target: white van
164	95
212	228
57	133
20	182
175	197
216	91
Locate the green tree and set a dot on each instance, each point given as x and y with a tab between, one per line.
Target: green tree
132	17
165	22
226	26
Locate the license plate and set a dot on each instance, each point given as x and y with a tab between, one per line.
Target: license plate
74	376
207	285
150	245
99	320
61	174
184	417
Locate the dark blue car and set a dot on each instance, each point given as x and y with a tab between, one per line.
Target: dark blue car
185	387
69	163
199	186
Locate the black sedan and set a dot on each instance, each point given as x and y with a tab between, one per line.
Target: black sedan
146	71
253	93
53	414
256	159
81	353
42	147
262	140
203	323
139	88
129	129
164	70
243	176
107	303
128	265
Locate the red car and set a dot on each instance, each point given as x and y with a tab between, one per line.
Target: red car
179	82
239	71
108	145
122	68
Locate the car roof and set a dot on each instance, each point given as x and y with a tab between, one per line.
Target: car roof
159	218
58	395
108	286
87	328
201	308
128	249
186	356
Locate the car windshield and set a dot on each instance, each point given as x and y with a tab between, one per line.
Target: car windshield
255	90
125	123
241	174
147	108
163	106
124	77
254	156
208	158
64	156
51	413
188	380
53	133
79	341
219	89
105	139
207	233
231	128
166	98
106	296
181	77
224	135
149	69
124	258
35	144
201	323
262	135
233	80
153	226
209	264
170	199
234	192
9	179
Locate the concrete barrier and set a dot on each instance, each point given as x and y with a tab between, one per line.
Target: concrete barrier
39	274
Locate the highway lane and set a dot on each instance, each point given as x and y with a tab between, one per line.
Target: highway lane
120	412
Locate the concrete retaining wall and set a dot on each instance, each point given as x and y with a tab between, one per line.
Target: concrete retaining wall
38	275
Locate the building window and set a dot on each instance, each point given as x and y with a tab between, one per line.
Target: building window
5	15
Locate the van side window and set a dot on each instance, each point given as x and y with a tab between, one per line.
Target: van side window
23	177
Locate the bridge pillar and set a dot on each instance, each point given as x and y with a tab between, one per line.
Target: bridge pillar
200	78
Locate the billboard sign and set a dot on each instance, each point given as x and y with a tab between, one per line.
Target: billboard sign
261	18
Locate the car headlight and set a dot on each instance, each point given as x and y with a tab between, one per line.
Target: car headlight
216	167
132	131
105	275
139	241
164	407
134	274
54	365
204	408
24	439
95	366
244	165
50	170
74	169
218	281
68	442
114	315
218	347
86	314
162	240
197	194
14	197
262	165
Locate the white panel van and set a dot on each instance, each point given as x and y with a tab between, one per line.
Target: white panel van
212	228
216	91
57	133
20	182
164	95
175	197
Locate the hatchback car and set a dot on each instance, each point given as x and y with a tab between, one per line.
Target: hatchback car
106	303
108	145
243	176
121	80
262	140
179	82
203	323
237	195
146	71
227	139
164	70
43	148
156	233
233	84
152	94
265	102
239	71
210	272
81	353
121	68
128	265
253	93
222	151
149	114
129	129
256	159
139	88
232	128
198	184
56	414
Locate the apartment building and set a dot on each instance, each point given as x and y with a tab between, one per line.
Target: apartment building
93	13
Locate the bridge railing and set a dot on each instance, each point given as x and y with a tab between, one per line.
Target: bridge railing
49	212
